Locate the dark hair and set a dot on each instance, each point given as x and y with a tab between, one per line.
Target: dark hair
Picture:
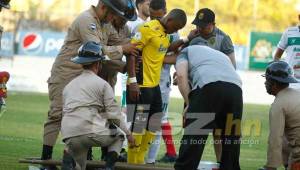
158	4
178	15
89	65
137	2
281	85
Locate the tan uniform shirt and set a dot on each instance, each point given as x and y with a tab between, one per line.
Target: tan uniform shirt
86	27
284	120
111	68
88	105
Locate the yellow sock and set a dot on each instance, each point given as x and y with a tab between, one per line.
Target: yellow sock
145	144
132	152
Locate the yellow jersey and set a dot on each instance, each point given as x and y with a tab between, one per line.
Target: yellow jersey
153	42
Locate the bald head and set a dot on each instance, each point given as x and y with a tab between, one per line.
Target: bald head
174	21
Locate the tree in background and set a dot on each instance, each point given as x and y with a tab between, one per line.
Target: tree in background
238	17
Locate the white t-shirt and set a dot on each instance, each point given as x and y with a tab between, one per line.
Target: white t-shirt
207	65
133	25
290	43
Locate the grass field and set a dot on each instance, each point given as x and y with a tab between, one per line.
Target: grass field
21	129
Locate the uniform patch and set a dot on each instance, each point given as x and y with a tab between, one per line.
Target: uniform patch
138	36
211	41
92	26
201	15
162	48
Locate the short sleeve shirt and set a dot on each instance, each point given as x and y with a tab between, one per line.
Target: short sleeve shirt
220	41
290	43
152	40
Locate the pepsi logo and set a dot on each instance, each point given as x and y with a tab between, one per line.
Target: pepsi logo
32	43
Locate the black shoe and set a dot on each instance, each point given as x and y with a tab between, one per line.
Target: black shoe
46	155
111	159
122	156
68	162
168	159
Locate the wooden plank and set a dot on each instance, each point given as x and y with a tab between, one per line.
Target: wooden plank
100	164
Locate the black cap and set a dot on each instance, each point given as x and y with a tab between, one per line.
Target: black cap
203	17
5	4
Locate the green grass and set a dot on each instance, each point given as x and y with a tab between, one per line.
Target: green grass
21	128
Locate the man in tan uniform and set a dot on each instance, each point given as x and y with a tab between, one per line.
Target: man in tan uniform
284	118
88	26
90	112
111	68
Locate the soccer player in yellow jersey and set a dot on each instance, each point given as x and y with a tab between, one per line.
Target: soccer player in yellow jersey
144	103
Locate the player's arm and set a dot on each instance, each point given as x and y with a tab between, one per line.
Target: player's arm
182	75
141	38
133	86
278	54
282	45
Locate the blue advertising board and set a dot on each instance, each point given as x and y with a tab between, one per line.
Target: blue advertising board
39	43
7	44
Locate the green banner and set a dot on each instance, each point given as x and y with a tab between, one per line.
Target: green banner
262	47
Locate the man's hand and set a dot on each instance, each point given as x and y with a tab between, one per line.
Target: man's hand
131	140
193	34
134	92
130	49
184	116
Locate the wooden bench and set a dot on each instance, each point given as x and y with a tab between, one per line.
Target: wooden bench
99	164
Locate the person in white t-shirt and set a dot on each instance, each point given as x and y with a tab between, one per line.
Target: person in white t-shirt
290	44
143	15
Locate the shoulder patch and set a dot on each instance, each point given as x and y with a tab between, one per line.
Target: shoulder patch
92	26
138	36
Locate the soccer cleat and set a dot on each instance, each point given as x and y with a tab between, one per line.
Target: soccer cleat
168	159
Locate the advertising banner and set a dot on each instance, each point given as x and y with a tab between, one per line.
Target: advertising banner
43	43
262	48
7	44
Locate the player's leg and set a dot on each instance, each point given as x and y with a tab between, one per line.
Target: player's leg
170	155
137	113
153	95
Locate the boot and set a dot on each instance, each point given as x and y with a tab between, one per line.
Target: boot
123	156
112	158
47	154
104	151
68	162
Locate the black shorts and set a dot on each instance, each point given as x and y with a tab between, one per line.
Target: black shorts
147	112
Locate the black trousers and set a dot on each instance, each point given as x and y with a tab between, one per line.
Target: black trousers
225	101
151	113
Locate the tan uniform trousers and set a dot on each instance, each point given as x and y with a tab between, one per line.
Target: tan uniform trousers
53	124
78	146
